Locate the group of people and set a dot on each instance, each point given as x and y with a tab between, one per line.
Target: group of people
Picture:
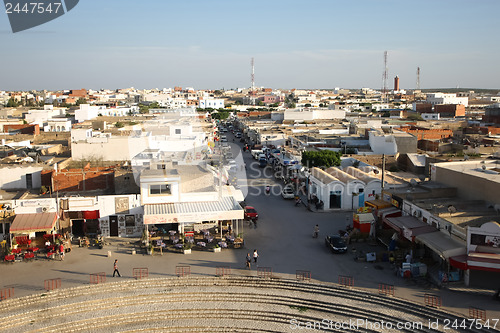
249	259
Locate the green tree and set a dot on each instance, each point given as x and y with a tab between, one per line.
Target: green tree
119	124
11	103
81	101
321	159
308	105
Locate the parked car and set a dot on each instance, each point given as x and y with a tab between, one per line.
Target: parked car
250	213
336	244
288	192
223	138
238	135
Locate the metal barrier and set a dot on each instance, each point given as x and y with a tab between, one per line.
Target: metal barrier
346	281
432	300
222	271
265	272
182	271
386	289
96	278
140	273
52	284
303	275
476	313
6	293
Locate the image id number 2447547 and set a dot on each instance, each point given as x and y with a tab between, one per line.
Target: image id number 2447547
33	7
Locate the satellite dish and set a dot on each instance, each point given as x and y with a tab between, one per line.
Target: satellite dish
413	183
452	209
483	167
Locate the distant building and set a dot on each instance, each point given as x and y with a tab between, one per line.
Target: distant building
442	98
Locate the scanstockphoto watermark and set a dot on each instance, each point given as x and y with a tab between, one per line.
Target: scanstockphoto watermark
27	14
387	326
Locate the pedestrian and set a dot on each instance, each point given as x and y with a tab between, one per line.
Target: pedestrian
115	267
248	261
61	251
255	256
408	258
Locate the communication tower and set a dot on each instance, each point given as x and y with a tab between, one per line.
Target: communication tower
252	77
385	77
418	78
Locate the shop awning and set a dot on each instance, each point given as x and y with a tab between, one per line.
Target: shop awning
442	244
409	226
193	212
459	262
389	212
24	223
477	261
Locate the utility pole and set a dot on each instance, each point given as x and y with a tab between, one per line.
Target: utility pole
252	77
383	175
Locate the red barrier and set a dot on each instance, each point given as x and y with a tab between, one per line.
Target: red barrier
476	313
222	271
96	278
432	300
6	293
346	281
52	284
140	273
265	272
386	289
303	275
181	271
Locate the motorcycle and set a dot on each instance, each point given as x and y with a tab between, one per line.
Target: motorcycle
298	201
268	190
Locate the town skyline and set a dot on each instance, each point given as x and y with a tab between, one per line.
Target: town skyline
209	45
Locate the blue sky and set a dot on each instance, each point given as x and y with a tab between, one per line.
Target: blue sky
296	44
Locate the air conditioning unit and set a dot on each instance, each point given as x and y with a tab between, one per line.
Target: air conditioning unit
417	213
121	218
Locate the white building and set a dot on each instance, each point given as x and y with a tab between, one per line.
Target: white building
58	125
87	112
213	103
304	114
442	98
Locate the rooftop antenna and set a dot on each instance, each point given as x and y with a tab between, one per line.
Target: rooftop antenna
418	78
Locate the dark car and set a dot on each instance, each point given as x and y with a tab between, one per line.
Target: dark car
336	244
251	213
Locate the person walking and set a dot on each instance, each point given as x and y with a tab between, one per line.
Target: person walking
255	256
115	267
248	261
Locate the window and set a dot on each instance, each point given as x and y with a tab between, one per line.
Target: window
177	131
161	189
130	220
160	167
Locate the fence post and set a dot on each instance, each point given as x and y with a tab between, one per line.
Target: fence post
386	289
432	300
96	278
477	313
6	293
222	271
346	281
140	273
264	272
52	284
182	271
303	275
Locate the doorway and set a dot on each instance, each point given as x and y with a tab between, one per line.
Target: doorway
335	199
77	228
113	226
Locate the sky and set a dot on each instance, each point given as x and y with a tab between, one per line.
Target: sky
208	44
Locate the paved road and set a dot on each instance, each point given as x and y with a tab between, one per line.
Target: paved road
283	239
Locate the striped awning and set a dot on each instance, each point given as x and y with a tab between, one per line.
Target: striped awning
24	223
193	212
